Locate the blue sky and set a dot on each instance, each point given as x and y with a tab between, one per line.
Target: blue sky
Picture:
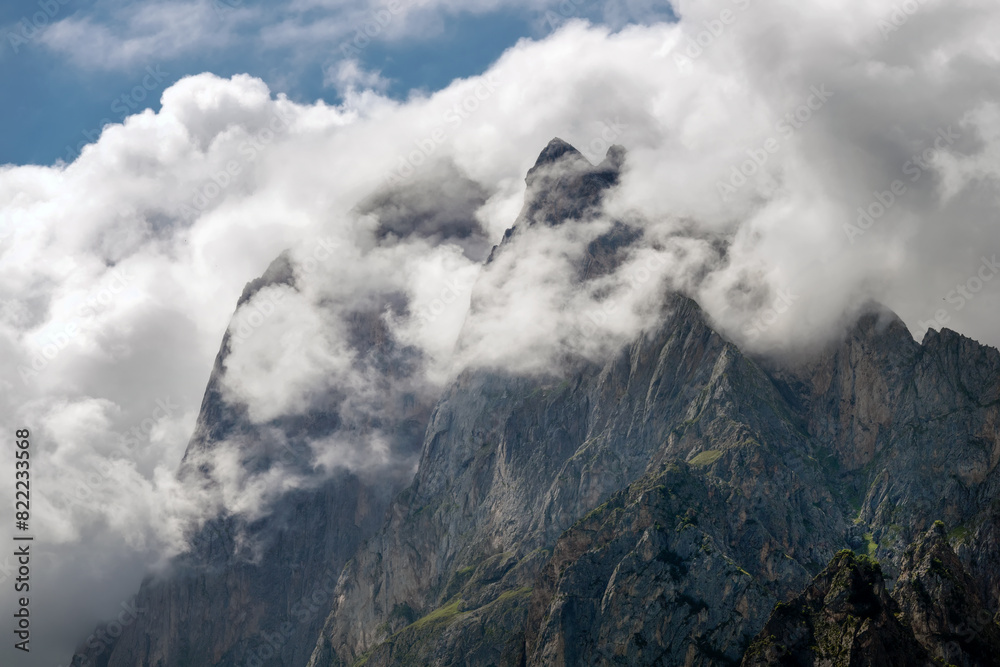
90	59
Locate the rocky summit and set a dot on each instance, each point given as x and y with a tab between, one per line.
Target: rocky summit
680	502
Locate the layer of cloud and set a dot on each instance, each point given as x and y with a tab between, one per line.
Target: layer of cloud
348	76
129	33
114	34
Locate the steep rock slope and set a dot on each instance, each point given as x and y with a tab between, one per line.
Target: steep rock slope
914	433
509	463
862	444
656	576
934	615
890	429
256	590
943	605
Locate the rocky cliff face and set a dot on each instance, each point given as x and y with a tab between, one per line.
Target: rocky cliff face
846	616
943	604
678	503
255	591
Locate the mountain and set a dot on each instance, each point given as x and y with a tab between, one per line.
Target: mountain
680	502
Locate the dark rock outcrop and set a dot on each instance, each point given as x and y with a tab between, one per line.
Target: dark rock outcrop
845	618
933	616
564	186
943	605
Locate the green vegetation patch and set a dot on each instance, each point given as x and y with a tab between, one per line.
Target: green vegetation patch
507	596
870	544
959	533
706	458
440	616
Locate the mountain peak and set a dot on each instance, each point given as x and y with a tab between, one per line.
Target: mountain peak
564	184
558	150
614	158
555	151
279	272
878	325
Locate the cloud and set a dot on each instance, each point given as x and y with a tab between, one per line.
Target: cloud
347	76
438	204
287	359
133	35
116	35
119	272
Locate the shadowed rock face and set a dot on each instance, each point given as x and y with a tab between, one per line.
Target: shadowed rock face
943	604
509	464
437	204
845	617
645	579
652	508
256	591
223	605
563	186
934	615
